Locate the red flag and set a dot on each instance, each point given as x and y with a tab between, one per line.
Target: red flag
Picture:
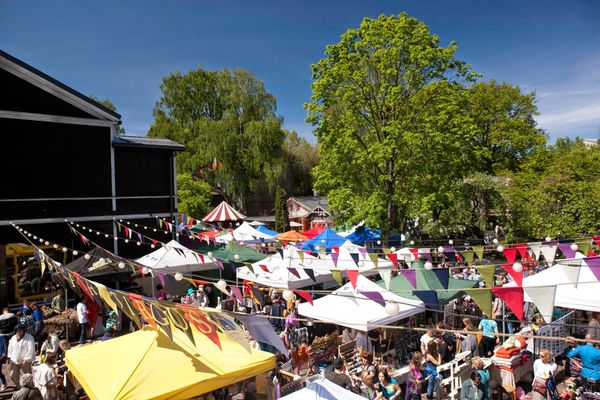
336	249
305	295
201	258
199	282
415	252
82	285
513	297
522	249
510	254
517	276
393	257
352	276
264	267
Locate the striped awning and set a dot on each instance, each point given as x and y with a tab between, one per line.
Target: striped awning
223	212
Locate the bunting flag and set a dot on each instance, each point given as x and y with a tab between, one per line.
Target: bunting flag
522	249
374	259
517	276
425	254
126	307
511	254
280	251
450	254
161	277
565	249
410	275
513	297
535	248
336	249
305	295
415	252
386	275
249	266
300	255
159	315
196	318
543	298
584	245
443	275
140	237
237	294
468	255
259	298
310	273
375	296
355	257
334	257
352	276
483	299
138	303
478	250
294	272
549	252
487	273
106	298
393	257
261	330
220	264
429	297
386	250
363	252
337	276
594	264
264	267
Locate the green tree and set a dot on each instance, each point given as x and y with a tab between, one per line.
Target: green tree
281	211
300	157
388	111
227	121
194	195
109	104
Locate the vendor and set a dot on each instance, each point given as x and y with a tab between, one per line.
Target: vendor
58	301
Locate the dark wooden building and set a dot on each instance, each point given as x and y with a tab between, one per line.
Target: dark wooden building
61	159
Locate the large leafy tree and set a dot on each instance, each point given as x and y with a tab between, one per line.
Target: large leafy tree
194	195
111	106
389	115
228	123
300	157
281	211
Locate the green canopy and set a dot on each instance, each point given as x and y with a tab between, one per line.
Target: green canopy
426	280
228	253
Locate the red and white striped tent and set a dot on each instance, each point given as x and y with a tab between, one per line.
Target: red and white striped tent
222	213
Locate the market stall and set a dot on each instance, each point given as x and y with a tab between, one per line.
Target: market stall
322	389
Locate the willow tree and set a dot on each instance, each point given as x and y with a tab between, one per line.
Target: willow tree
387	108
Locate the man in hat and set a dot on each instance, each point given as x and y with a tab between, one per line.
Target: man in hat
337	376
21	353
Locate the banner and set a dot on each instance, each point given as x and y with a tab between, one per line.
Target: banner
228	327
196	318
261	330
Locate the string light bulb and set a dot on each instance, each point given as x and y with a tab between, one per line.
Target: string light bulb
518	267
500	248
392	308
287	294
428	265
121	264
178	276
87	256
574	246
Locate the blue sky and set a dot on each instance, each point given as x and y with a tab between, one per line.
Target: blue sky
121	49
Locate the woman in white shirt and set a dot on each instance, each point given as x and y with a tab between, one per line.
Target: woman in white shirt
543	369
45	378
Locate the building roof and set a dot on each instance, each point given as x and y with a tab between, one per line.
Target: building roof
37	77
146	142
312	202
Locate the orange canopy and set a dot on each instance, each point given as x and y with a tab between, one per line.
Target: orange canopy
291	236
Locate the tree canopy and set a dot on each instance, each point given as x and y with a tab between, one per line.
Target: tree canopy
110	105
300	157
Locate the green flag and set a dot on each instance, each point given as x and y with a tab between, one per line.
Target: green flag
374	259
337	275
468	255
249	267
301	256
483	299
386	250
487	274
478	250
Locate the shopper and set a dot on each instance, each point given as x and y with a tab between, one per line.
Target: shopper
8	322
27	389
21	353
83	320
45	378
491	337
471	388
543	371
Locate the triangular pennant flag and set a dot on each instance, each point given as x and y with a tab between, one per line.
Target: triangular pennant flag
415	252
264	267
594	264
334	257
106	298
375	296
450	254
468	255
429	297
549	252
565	248
352	276
336	249
363	252
310	273
280	251
374	259
259	298
543	298
305	295
204	325
522	249
511	254
220	263
301	255
483	299
517	276
249	266
201	256
410	275
487	273
140	237
425	254
393	257
294	272
535	248
354	257
386	250
513	297
478	250
443	276
584	245
237	294
386	275
337	276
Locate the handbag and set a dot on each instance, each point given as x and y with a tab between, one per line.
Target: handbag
539	385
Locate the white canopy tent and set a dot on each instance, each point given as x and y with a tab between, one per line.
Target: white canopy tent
175	257
348	307
576	286
322	389
245	233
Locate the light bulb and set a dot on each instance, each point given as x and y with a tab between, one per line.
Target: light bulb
154	229
518	267
574	246
98	233
287	294
440	249
152	246
145	271
391	308
121	265
35	238
75	252
221	285
126	240
136	225
500	249
236	256
29	234
209	254
428	265
548	238
106	235
178	276
412	242
87	256
138	243
64	249
55	246
495	241
115	239
393	249
379	242
450	242
361	263
47	243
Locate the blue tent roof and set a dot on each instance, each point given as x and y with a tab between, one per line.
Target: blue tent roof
266	231
327	238
364	234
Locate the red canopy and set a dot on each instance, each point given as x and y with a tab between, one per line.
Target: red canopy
314	231
223	212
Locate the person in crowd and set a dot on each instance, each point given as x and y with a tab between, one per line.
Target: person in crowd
112	322
471	388
190	297
442	349
389	389
82	318
348	335
590	358
50	344
58	301
26	319
338	376
160	293
415	377
27	390
477	365
291	320
375	338
432	361
363	342
38	321
21	353
92	316
449	340
491	337
201	297
427	337
594	326
543	370
8	322
468	338
25	306
109	333
45	378
367	388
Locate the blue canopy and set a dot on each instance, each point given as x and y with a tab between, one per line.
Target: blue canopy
327	238
363	235
266	231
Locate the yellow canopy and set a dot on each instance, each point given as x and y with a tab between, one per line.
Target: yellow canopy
148	365
291	236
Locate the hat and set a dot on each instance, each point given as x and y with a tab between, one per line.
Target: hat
20	327
338	363
190	291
